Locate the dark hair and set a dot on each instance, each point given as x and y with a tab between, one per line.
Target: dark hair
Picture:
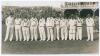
88	15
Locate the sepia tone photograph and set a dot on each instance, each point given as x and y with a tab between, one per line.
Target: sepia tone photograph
50	27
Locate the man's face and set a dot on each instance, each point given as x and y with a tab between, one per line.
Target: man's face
42	18
71	17
88	15
25	19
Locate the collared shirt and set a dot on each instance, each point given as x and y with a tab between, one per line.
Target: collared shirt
33	22
42	22
57	22
63	23
72	22
9	21
89	21
25	23
50	22
79	22
47	21
17	21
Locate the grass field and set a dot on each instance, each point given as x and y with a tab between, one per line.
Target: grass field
55	47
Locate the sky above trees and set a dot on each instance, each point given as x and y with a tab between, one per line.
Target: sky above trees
33	3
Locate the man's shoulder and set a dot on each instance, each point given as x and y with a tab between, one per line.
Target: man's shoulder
41	20
20	19
8	17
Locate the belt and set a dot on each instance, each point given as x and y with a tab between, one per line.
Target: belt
79	26
49	26
56	24
63	26
17	24
41	26
32	26
72	33
89	26
25	26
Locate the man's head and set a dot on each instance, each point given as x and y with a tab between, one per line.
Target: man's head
11	14
25	19
71	16
88	16
76	16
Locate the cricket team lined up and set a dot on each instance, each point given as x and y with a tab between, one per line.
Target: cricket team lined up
49	29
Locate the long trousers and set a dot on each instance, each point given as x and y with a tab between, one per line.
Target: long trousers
42	33
72	33
50	34
90	33
34	34
64	33
79	33
26	34
9	33
18	32
57	35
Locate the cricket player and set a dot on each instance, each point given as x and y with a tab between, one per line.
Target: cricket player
42	29
18	32
79	28
25	29
50	25
63	26
10	28
66	29
72	28
57	28
53	19
33	28
90	24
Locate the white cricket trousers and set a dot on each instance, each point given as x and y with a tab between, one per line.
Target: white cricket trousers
9	33
64	33
57	29
50	33
42	33
72	33
33	31
26	33
18	32
79	33
90	33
